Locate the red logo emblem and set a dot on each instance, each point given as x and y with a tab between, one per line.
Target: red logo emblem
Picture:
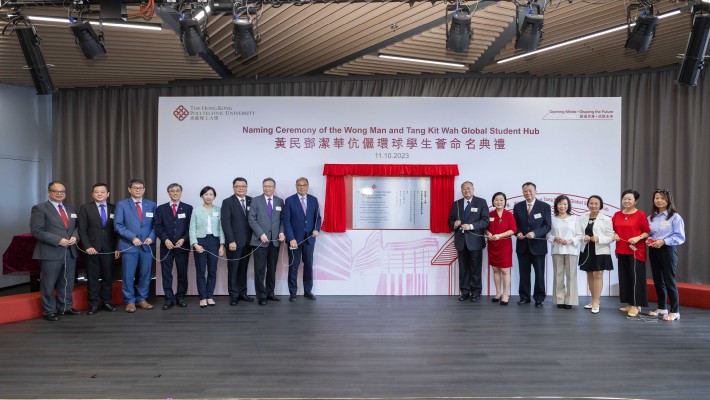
181	113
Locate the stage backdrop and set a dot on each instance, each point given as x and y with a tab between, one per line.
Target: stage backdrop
564	145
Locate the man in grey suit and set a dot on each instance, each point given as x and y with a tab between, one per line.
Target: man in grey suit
265	215
54	225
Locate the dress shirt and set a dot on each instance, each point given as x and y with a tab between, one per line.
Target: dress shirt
56	207
672	230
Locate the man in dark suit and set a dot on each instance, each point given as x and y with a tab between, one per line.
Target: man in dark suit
54	225
98	240
134	225
534	220
301	226
468	219
265	220
237	233
172	226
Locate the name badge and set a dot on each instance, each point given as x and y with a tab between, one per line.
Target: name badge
73	215
492	219
110	216
149	215
182	216
474	210
277	208
215	214
537	216
248	208
665	223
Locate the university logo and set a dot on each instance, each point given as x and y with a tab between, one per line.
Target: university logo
181	113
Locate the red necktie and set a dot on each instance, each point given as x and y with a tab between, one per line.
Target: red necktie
174	210
64	216
138	209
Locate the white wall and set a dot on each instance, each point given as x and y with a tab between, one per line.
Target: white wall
25	161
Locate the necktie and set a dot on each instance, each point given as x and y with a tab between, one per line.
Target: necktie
174	210
139	210
244	207
63	214
529	208
303	204
270	208
103	214
466	210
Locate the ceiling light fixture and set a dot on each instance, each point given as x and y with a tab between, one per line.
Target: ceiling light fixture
694	58
531	30
424	61
644	30
243	37
459	35
579	39
90	44
191	34
126	25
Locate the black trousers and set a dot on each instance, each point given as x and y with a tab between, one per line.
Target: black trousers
100	278
470	265
305	252
664	263
237	271
526	260
632	281
265	259
180	258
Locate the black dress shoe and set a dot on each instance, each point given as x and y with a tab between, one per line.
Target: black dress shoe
109	307
182	303
560	306
475	298
568	307
262	302
51	317
521	302
538	304
233	302
273	297
464	297
292	299
71	311
309	296
92	310
245	297
168	305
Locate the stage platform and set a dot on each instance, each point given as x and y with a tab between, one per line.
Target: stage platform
358	347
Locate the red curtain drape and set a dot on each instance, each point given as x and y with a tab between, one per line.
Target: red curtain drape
442	193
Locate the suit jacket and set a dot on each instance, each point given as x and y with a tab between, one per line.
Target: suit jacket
173	228
92	232
235	221
602	229
261	223
539	221
297	224
48	228
129	226
478	216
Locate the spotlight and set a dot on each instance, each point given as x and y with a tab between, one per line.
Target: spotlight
694	58
530	32
243	36
459	34
191	35
30	44
640	37
90	44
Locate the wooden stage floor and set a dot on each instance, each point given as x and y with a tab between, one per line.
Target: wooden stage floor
358	347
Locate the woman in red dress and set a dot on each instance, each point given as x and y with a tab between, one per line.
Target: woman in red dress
500	246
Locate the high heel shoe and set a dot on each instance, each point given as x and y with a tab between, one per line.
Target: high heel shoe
633	311
495	299
503	303
658	313
671	316
210	302
203	303
588	306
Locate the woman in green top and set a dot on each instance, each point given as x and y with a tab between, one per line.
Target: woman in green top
207	238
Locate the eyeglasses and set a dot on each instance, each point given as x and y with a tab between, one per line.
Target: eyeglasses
137	188
58	191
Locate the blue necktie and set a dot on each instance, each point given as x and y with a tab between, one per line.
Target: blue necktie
466	210
103	214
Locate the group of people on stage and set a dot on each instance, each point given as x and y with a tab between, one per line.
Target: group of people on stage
128	230
575	240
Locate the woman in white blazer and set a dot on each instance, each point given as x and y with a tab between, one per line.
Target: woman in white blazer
595	257
565	236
